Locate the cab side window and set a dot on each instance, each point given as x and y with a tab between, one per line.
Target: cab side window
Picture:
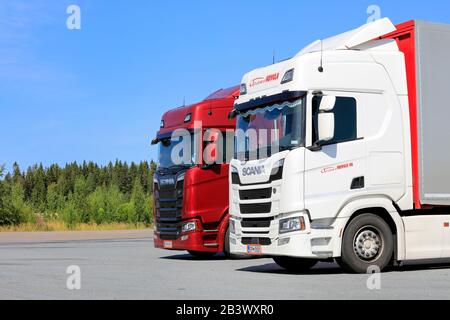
345	128
227	151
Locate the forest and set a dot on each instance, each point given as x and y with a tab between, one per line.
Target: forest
76	194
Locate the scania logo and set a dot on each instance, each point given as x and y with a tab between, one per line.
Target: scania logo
166	181
253	171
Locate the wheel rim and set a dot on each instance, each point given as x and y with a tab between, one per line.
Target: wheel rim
368	243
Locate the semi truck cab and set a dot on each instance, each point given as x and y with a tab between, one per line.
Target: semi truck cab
339	167
191	192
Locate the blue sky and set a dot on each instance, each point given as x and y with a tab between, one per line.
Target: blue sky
98	93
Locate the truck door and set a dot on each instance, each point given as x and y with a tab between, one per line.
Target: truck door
336	171
212	181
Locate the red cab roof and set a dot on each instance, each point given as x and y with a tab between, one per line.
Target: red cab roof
212	111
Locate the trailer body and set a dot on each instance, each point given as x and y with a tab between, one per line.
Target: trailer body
426	46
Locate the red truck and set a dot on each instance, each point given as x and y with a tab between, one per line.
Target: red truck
191	198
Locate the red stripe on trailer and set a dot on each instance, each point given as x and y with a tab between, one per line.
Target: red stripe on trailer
405	37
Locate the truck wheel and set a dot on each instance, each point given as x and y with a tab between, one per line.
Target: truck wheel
367	241
201	255
295	264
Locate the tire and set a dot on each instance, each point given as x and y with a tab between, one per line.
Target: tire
295	264
201	255
368	241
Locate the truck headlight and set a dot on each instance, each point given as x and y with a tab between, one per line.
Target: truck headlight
277	166
232	226
292	224
189	226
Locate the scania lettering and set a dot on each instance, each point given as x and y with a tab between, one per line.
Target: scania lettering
253	171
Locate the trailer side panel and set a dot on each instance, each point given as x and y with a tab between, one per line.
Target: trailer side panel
433	106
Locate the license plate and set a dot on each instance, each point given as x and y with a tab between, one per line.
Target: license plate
168	244
254	249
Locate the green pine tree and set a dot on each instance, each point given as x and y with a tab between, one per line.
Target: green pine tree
138	199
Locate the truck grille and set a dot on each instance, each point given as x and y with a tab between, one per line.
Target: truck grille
169	231
256	208
255	194
256	223
266	202
169	206
261	241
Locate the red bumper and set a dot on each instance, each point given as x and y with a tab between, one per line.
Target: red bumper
193	241
199	240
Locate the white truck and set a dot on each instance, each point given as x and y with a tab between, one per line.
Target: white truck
360	171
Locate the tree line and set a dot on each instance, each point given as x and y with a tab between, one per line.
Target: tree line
77	193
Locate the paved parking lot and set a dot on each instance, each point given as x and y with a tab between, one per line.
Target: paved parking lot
128	267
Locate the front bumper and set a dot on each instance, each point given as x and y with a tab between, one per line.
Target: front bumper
310	243
198	240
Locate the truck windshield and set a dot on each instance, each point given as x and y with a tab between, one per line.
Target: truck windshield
177	151
265	131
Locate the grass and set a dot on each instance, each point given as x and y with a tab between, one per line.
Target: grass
61	226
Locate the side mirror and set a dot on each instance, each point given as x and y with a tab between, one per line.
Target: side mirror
210	154
233	114
327	103
326	126
325	121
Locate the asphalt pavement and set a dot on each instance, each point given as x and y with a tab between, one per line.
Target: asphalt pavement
119	266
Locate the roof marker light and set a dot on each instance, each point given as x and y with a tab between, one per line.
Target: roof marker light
288	76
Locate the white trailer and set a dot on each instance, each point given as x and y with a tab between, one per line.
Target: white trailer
360	169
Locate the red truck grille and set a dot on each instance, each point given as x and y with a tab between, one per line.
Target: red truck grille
169	206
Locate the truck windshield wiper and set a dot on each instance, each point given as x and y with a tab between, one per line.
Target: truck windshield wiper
284	148
182	166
